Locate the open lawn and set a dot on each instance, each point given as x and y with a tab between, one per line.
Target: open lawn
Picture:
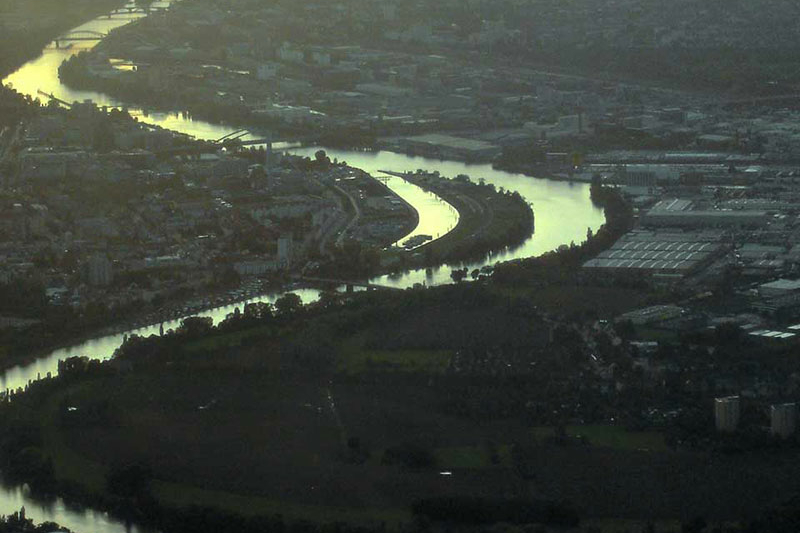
354	358
599	302
609	436
257	444
180	495
473	457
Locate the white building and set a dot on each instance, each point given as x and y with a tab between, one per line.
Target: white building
285	250
98	270
266	71
255	267
783	419
288	54
780	287
726	413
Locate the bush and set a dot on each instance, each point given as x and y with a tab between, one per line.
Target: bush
409	456
130	480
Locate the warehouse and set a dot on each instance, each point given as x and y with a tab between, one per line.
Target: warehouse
447	146
663	253
681	213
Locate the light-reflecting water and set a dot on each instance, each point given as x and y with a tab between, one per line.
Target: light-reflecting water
563	213
78	520
563	210
103	347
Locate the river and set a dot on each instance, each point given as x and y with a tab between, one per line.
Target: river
563	214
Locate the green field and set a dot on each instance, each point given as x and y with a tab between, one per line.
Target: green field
609	436
473	457
354	358
256	444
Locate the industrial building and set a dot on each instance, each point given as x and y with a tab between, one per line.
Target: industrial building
447	146
673	254
785	306
652	314
780	287
682	213
726	413
783	419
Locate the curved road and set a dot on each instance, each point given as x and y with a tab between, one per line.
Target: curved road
356	216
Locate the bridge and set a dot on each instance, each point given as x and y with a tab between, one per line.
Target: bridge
233	141
53	98
232	136
79	35
349	284
756	100
206	147
131	10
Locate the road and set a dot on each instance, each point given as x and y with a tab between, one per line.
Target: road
339	226
354	220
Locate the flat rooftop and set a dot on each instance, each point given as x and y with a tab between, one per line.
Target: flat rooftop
782	285
666	252
459	143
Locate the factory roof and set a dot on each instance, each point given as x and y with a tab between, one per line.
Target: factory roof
678	252
782	285
449	141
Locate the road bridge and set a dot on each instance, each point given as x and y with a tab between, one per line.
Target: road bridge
349	284
79	35
131	10
232	141
232	135
52	97
767	99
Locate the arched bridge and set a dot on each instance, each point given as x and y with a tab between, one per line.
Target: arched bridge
79	35
233	141
131	10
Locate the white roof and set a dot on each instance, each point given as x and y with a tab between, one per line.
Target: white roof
783	285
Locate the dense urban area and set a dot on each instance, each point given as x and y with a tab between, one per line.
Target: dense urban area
282	352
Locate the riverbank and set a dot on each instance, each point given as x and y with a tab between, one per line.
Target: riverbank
567	260
171	314
22	45
541	171
413	221
488	220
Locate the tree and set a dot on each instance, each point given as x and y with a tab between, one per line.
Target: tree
194	326
288	304
409	455
322	159
696	525
728	333
130	480
258	310
625	329
458	274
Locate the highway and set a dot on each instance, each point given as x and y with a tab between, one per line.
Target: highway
354	220
341	225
